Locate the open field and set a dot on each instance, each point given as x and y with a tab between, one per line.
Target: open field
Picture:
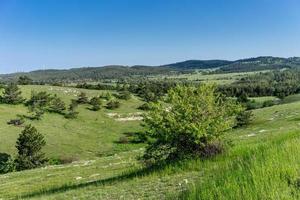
108	170
198	76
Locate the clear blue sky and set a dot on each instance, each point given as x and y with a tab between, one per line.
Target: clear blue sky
72	33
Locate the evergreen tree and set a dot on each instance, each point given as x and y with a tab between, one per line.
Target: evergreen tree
29	146
82	98
24	80
12	94
57	105
96	103
72	113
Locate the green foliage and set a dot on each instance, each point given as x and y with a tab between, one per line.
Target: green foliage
57	105
12	94
16	122
113	105
24	80
96	103
29	146
269	103
145	106
187	121
37	104
244	118
107	96
82	98
6	163
126	95
72	113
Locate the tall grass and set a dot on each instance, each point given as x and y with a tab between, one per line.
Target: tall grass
259	171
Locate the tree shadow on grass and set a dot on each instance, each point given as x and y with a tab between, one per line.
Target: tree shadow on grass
67	187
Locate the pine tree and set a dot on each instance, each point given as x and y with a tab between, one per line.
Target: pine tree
72	113
82	98
12	94
96	103
57	105
29	146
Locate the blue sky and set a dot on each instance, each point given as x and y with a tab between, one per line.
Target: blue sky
37	34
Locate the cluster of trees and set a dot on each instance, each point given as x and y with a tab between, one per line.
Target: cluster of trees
29	152
98	86
151	90
274	83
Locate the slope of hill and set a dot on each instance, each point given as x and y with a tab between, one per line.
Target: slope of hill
261	63
118	71
265	157
198	64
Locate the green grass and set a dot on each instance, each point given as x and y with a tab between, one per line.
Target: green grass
225	78
268	170
263	99
262	162
91	135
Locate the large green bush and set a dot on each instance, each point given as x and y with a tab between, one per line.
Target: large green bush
188	121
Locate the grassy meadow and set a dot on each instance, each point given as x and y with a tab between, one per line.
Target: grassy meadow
92	134
263	158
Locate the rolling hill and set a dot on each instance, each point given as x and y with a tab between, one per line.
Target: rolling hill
119	71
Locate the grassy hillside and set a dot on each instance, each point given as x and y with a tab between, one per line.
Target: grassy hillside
263	158
91	135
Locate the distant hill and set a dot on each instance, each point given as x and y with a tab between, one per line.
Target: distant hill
119	71
261	63
88	73
198	64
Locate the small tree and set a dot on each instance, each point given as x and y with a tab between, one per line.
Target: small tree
38	103
82	98
29	146
72	113
24	80
6	163
244	118
187	122
124	95
96	103
113	105
57	105
12	94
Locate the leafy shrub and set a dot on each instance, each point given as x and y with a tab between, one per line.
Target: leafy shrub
268	103
82	98
113	105
16	122
61	160
96	103
24	80
57	105
107	96
250	105
124	95
187	122
244	118
123	140
6	163
72	113
145	106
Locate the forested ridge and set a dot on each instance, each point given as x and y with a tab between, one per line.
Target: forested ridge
119	71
